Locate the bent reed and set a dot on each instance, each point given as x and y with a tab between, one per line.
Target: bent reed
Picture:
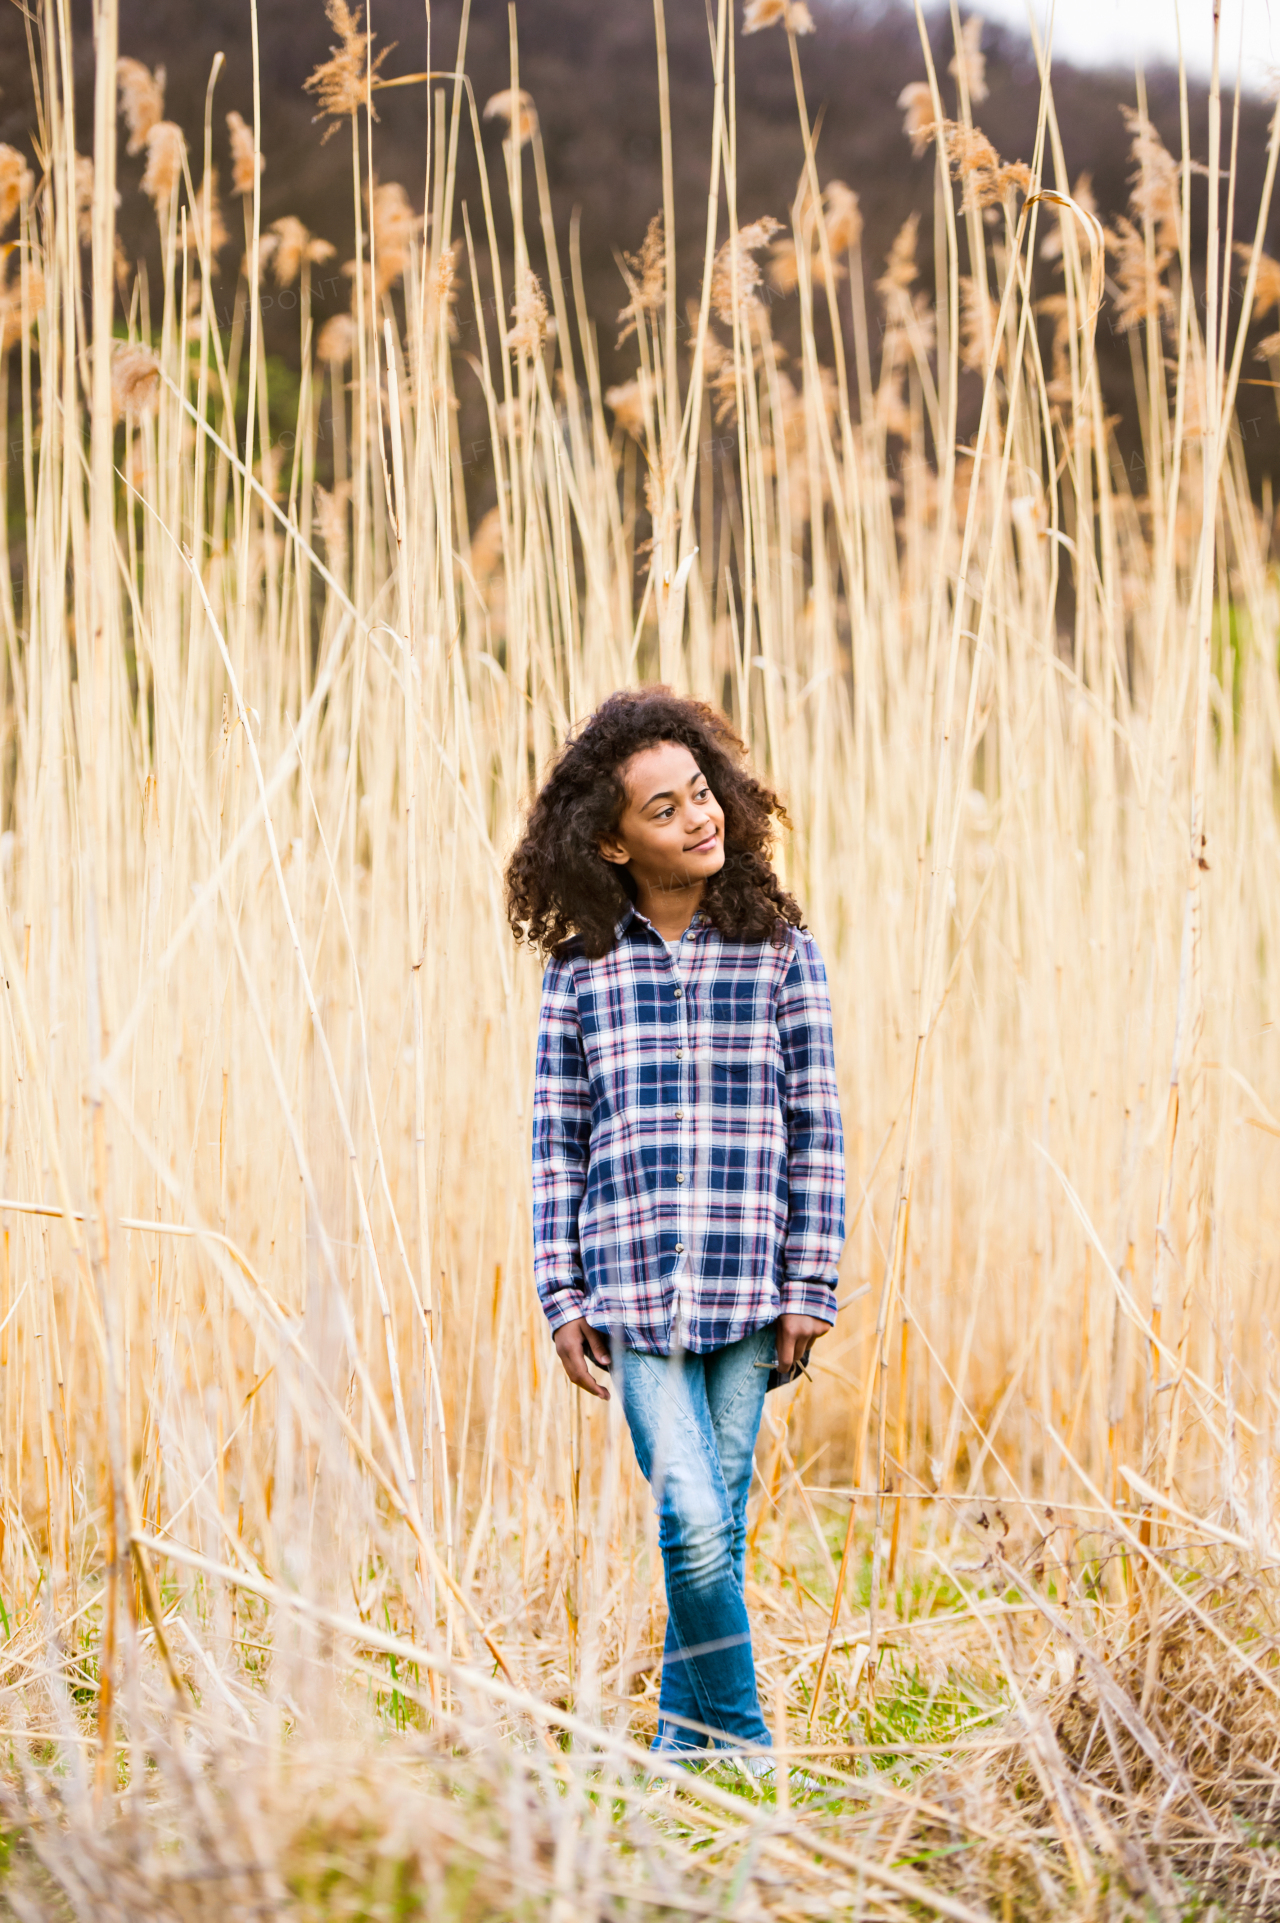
321	1590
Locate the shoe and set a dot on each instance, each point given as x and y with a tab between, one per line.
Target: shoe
763	1771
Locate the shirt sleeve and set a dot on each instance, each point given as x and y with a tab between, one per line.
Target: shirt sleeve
815	1138
561	1148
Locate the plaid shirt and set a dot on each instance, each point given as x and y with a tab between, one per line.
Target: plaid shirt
688	1158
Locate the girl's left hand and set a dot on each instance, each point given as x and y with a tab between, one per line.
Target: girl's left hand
796	1336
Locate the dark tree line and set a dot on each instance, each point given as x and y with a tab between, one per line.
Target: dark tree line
591	70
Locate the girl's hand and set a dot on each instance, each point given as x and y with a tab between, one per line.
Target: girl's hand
796	1336
576	1342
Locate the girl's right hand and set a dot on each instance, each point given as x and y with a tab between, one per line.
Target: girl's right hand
576	1343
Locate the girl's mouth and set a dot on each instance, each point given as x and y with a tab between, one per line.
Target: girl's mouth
703	847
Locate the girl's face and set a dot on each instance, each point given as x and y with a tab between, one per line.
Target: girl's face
671	834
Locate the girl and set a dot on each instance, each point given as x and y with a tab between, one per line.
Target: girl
688	1163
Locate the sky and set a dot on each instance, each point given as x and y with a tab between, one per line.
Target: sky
1107	32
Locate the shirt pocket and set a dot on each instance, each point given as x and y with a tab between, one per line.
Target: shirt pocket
736	1038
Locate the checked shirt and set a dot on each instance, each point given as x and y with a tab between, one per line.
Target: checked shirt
688	1157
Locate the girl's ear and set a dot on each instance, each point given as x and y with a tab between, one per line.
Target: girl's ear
612	850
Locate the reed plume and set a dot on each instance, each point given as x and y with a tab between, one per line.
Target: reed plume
628	404
336	341
16	182
529	317
135	379
969	63
141	100
794	15
343	83
920	121
735	276
646	277
245	166
162	176
19	302
84	199
288	247
518	112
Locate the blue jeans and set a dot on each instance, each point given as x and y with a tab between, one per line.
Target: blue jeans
694	1421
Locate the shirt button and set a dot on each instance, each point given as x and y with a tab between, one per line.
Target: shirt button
678	993
679	1115
679	1248
679	1054
680	1178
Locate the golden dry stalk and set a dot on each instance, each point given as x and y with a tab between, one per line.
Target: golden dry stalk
969	64
84	199
207	232
1057	308
363	287
978	313
1082	194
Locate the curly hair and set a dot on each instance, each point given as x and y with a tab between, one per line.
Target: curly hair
559	885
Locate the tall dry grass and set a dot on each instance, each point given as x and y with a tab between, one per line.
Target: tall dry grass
321	1590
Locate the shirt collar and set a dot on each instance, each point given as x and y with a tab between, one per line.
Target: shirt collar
631	915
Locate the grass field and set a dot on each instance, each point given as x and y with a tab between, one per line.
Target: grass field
322	1594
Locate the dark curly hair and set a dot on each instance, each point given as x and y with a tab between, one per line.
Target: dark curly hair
560	886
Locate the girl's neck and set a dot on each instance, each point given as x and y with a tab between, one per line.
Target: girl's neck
670	910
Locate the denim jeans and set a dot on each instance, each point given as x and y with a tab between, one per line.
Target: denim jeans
694	1421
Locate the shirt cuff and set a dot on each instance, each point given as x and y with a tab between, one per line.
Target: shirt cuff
810	1295
566	1305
